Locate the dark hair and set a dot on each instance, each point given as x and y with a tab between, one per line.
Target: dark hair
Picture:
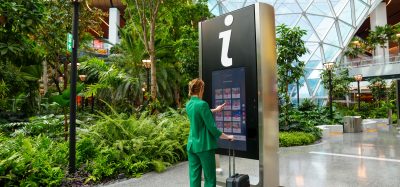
195	86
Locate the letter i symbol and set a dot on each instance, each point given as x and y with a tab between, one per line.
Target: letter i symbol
226	37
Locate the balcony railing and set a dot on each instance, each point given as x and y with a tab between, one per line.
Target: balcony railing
363	62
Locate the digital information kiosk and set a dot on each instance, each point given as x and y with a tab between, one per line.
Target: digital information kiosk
238	66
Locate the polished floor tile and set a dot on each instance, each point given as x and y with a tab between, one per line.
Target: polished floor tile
370	159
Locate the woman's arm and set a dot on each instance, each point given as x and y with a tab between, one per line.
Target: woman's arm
227	137
210	123
218	108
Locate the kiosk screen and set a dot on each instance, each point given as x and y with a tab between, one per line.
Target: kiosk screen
229	87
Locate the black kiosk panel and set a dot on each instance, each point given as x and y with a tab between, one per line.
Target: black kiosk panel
229	70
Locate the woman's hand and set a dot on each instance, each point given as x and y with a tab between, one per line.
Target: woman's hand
231	137
219	108
227	137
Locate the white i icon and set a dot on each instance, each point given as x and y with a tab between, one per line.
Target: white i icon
226	37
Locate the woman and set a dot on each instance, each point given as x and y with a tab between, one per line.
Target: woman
203	136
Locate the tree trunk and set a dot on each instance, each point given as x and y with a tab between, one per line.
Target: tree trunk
177	98
152	54
287	101
65	124
45	75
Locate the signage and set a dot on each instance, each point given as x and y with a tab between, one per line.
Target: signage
238	66
229	87
229	65
70	42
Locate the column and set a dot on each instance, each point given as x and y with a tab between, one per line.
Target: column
378	17
113	22
398	100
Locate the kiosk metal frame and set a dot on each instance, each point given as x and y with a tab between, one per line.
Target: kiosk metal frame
268	114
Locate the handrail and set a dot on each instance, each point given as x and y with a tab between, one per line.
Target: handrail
372	61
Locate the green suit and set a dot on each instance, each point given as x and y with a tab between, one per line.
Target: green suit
202	143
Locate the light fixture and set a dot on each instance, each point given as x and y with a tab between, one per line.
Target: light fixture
358	77
77	65
147	63
82	77
329	65
41	91
356	42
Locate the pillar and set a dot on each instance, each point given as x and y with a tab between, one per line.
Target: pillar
398	100
378	17
113	22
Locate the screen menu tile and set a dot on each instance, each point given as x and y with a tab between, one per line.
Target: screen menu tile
228	87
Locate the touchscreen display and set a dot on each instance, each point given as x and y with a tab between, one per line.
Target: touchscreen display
229	87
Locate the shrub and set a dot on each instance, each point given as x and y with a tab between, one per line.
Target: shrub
32	161
287	139
114	144
118	143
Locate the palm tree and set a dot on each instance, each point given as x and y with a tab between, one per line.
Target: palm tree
383	34
355	48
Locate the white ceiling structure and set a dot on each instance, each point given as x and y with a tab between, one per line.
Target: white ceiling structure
330	26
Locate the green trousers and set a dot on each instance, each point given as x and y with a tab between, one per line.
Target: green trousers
198	161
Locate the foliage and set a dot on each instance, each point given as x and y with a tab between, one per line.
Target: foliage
305	118
143	15
15	86
174	37
392	90
378	88
287	139
134	145
356	47
32	161
20	19
380	36
290	47
369	110
112	145
32	32
63	99
110	83
178	32
340	81
377	36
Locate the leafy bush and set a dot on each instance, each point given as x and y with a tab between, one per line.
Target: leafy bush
287	139
305	118
119	144
32	161
51	125
115	144
369	110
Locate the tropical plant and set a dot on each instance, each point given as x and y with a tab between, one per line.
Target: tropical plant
32	161
288	139
20	20
340	81
290	47
378	88
355	48
158	25
63	101
134	145
382	35
113	144
113	84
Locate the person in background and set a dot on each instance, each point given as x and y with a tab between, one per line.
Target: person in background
203	135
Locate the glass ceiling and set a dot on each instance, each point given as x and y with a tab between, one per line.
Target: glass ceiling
330	25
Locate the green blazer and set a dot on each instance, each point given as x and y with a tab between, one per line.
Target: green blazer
203	134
